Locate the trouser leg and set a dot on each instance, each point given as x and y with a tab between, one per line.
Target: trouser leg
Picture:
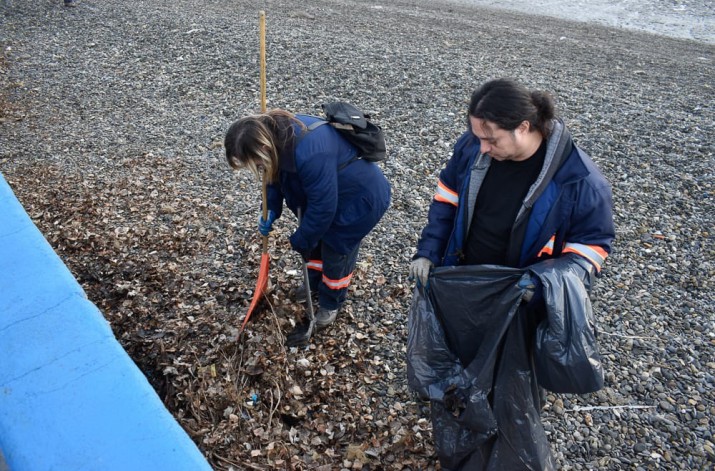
315	268
337	274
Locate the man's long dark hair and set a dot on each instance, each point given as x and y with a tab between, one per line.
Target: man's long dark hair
507	104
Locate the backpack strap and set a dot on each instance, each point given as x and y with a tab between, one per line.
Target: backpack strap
316	125
311	127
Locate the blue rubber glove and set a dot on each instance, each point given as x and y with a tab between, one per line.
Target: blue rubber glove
266	226
531	285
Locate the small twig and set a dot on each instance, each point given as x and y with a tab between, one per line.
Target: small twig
239	380
600	332
278	327
281	338
202	392
587	408
274	408
233	463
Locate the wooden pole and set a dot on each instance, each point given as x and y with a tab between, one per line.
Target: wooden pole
262	33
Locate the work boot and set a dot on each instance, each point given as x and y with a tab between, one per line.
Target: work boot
299	294
325	317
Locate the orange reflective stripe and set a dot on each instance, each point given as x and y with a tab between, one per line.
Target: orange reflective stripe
548	249
316	265
593	253
446	194
337	284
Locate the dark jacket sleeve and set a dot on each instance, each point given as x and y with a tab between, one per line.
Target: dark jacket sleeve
576	212
317	171
442	214
591	230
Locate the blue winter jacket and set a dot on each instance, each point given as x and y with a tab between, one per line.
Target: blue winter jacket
567	210
342	197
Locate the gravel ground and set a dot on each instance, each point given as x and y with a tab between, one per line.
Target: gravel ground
112	117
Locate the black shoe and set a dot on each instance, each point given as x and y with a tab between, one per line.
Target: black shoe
70	3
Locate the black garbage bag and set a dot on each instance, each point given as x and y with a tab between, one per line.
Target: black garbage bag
566	357
484	415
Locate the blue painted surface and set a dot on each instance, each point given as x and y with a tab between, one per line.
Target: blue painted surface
70	396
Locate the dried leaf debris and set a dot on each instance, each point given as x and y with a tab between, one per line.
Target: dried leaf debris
156	263
111	123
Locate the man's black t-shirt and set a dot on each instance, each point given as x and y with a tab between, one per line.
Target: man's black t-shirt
500	197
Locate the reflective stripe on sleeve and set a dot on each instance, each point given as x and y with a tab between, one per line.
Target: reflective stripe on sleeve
548	249
337	284
445	194
593	253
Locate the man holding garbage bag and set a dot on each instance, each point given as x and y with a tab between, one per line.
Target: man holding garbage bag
525	217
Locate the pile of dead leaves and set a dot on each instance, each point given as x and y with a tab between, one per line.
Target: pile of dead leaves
174	277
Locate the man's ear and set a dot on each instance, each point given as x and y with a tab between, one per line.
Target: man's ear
524	128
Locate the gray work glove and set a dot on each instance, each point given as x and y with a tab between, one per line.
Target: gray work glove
419	270
533	291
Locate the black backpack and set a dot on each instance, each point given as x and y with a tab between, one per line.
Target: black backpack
356	128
